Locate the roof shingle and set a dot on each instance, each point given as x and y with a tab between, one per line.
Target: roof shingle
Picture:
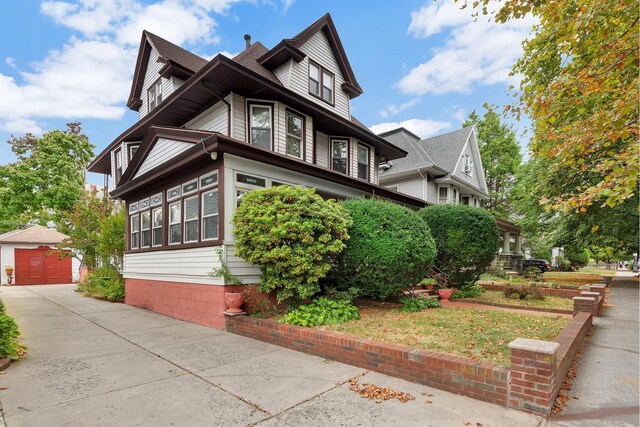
34	234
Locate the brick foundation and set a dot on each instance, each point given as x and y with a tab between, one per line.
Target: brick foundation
202	304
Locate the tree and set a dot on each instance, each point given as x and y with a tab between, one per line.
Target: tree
501	158
466	239
48	177
580	87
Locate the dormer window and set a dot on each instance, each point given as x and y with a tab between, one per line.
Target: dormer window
155	95
321	82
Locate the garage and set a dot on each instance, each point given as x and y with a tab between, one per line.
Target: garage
32	257
41	267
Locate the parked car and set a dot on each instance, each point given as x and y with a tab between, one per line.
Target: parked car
541	264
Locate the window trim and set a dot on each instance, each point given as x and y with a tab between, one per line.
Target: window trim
202	216
206	175
153	90
154	228
321	83
191	181
118	175
336	139
169	223
270	106
196	219
303	145
169	190
131	147
366	147
142	230
467	165
446	189
131	232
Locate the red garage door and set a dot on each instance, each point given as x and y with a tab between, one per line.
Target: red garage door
35	267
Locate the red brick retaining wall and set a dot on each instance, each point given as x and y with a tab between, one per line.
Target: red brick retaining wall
202	304
479	380
552	292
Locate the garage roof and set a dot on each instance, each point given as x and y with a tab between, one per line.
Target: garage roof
33	234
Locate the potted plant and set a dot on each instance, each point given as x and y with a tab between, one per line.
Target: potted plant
445	294
428	283
9	270
234	302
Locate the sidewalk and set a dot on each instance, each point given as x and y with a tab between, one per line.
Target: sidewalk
607	385
94	363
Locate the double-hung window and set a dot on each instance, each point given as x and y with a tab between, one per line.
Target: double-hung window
442	195
175	223
321	82
260	129
363	162
191	210
118	158
145	227
339	155
155	95
294	135
210	215
157	236
135	231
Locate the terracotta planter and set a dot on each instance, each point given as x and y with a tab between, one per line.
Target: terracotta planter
9	271
428	287
234	301
445	294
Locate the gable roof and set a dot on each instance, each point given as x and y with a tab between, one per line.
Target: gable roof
440	151
34	234
290	48
177	61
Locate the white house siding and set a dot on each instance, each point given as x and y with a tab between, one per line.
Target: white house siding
472	179
283	73
179	265
373	166
238	117
150	77
7	258
432	192
322	149
213	119
318	49
164	150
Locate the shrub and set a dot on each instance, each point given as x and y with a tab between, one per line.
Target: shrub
348	295
103	282
578	259
9	336
322	311
522	292
428	281
563	263
466	239
410	305
290	232
468	291
389	249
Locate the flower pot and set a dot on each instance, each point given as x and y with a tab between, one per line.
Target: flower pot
428	287
234	301
8	270
445	294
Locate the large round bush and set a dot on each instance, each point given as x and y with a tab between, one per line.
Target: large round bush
466	238
390	249
290	232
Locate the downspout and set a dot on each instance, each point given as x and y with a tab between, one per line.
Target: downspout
228	107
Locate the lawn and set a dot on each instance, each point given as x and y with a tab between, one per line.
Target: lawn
549	302
596	270
475	334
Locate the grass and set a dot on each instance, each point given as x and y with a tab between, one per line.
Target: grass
596	270
474	334
549	302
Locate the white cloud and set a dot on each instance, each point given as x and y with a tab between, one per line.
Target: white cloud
11	62
422	128
394	109
286	4
474	52
90	75
460	114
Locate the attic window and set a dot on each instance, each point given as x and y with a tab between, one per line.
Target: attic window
321	82
155	95
467	164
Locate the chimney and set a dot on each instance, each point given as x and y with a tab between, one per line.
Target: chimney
247	40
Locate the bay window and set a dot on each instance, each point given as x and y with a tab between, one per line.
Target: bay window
145	227
157	227
191	219
175	223
135	231
210	215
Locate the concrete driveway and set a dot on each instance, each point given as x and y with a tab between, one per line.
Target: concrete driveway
97	363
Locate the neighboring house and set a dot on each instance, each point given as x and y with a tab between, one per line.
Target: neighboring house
439	170
211	131
28	252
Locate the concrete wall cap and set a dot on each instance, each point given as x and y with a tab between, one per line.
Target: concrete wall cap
583	298
590	293
536	346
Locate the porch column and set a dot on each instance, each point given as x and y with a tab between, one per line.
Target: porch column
518	246
506	247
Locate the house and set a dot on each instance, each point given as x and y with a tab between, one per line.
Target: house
211	131
28	252
446	169
439	170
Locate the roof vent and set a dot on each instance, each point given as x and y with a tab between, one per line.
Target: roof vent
247	40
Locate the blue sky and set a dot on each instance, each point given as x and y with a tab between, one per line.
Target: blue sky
422	64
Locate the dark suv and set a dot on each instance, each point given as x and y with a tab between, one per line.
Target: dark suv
541	264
